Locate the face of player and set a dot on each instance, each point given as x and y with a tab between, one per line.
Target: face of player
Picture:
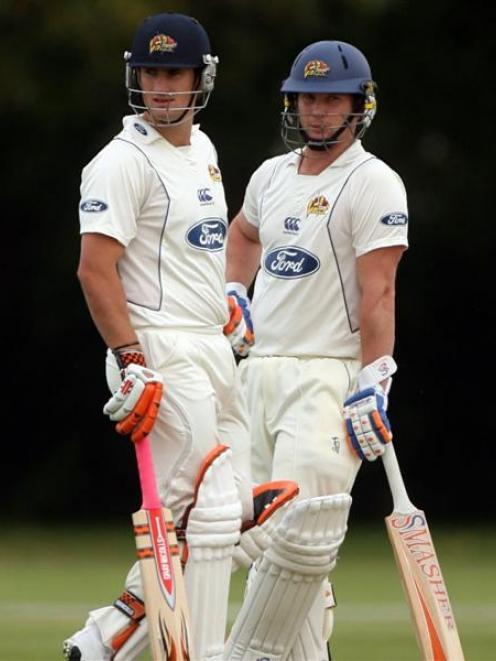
321	115
167	93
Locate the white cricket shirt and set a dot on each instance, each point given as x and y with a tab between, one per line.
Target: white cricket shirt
312	229
167	206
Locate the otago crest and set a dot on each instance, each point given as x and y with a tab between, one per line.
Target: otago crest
162	43
318	205
214	173
316	68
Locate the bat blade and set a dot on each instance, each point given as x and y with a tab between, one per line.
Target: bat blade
160	566
419	568
163	587
424	586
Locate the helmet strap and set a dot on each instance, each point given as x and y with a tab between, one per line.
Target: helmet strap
323	145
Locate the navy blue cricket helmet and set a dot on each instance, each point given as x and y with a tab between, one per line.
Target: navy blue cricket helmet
171	41
328	67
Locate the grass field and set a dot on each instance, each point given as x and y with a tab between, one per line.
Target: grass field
51	577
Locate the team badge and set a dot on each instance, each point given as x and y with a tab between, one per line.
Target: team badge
162	43
318	205
214	173
316	68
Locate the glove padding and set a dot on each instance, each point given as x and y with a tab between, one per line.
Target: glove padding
135	404
367	425
239	328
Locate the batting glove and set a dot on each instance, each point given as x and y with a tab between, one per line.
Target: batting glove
134	406
367	425
239	328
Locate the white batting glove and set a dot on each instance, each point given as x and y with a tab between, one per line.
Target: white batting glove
239	328
367	425
134	406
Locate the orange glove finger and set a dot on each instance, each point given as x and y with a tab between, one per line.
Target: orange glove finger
384	432
126	425
235	315
249	336
145	425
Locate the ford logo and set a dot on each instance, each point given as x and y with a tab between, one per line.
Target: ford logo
93	206
290	262
208	234
397	218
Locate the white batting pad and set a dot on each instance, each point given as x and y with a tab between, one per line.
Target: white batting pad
288	579
212	531
111	622
257	539
311	641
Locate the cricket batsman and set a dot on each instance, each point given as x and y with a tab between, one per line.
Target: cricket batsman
321	232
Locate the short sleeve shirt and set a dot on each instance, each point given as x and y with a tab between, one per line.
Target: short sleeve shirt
312	229
167	206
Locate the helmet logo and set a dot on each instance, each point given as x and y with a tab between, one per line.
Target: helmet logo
214	173
316	68
162	43
318	205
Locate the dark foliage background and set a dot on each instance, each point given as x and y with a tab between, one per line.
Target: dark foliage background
63	98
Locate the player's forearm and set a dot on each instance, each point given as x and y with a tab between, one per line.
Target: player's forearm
107	305
377	325
243	256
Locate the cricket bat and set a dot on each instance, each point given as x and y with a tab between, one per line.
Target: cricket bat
425	589
166	607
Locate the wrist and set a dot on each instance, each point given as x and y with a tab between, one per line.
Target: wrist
237	287
135	344
380	371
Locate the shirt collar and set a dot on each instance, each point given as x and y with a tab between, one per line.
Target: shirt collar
144	132
349	155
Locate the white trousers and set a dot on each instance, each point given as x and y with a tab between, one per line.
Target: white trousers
201	407
297	428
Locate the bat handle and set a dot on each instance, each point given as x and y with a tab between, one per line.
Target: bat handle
401	501
146	471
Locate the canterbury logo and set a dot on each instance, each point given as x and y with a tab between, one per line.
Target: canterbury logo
292	224
162	43
318	205
316	68
204	195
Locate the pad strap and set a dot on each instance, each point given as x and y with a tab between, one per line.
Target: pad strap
133	608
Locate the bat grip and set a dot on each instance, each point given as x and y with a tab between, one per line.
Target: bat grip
401	501
148	482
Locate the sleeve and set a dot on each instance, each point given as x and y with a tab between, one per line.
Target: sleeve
259	180
113	187
379	211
